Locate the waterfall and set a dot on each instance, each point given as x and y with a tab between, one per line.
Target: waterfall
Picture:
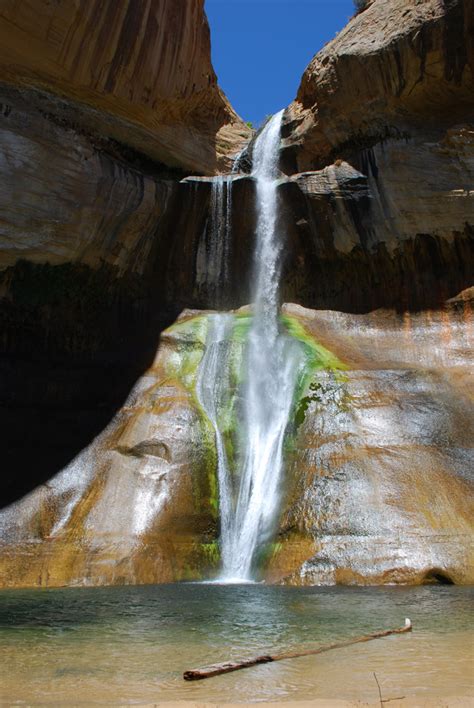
249	499
271	363
213	386
213	257
236	161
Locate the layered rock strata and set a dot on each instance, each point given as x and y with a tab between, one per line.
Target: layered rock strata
134	71
392	233
104	108
380	140
378	153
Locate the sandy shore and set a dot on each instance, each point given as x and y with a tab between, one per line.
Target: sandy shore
449	702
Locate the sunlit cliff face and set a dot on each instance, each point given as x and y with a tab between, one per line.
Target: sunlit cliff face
375	484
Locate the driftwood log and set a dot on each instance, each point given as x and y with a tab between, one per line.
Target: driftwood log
227	666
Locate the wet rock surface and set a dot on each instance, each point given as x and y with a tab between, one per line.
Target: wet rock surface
395	232
377	482
381	479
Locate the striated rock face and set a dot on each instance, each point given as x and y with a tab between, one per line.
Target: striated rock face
380	486
395	230
78	237
380	140
353	241
104	107
62	199
399	68
138	72
376	488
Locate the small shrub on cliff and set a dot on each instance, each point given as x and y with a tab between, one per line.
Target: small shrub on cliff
361	5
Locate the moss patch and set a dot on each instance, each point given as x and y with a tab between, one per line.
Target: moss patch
316	359
183	363
313	385
191	335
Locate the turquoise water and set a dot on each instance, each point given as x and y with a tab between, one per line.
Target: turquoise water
132	644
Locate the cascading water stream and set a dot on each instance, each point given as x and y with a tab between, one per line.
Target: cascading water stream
213	387
272	360
214	255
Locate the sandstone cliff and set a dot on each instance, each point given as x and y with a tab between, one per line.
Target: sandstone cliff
397	69
104	107
136	71
380	140
103	244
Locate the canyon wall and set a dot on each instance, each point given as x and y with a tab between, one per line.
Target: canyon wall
380	141
104	108
377	170
135	72
110	134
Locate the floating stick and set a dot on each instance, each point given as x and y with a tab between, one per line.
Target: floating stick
227	666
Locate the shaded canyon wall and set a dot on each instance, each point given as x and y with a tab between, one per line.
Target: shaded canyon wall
104	108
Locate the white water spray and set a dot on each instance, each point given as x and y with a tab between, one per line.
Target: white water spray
213	387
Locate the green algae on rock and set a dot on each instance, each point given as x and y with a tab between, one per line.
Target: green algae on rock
375	490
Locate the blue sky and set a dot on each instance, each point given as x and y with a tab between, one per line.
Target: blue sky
260	48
